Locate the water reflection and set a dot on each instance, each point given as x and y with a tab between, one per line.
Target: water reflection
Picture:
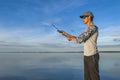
54	66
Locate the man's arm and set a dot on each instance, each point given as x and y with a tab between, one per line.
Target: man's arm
83	37
86	35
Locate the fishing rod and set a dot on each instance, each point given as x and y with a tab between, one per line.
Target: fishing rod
61	31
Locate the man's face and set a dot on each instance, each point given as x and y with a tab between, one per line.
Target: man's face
86	19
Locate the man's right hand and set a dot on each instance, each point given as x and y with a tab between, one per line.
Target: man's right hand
64	33
68	36
60	31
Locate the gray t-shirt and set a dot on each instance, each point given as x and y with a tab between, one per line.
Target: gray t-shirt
89	37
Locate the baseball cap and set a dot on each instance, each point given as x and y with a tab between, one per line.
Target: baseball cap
88	13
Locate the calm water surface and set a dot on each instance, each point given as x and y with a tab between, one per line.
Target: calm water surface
54	66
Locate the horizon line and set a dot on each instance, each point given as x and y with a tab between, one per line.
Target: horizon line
58	52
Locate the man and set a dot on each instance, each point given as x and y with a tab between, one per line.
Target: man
89	37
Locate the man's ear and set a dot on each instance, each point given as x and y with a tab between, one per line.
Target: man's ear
89	17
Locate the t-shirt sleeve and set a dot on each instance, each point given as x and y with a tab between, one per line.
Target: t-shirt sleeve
86	35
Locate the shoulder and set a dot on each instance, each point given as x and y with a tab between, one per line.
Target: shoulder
93	27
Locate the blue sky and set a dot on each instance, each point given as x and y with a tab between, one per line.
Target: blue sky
28	22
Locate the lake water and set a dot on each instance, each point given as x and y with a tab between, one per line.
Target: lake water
54	66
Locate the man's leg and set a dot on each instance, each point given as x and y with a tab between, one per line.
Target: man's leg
86	68
94	67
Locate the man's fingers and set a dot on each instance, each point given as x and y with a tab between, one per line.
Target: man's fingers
69	38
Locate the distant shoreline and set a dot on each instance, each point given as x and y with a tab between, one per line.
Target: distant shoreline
59	52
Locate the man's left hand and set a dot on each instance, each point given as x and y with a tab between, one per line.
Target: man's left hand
71	38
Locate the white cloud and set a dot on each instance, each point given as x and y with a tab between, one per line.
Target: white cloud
109	36
27	40
34	38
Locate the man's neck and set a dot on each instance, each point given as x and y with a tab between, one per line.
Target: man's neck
89	24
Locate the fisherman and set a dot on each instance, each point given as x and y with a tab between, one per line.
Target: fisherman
91	55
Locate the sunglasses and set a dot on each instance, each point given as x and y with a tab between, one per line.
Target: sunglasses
83	17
